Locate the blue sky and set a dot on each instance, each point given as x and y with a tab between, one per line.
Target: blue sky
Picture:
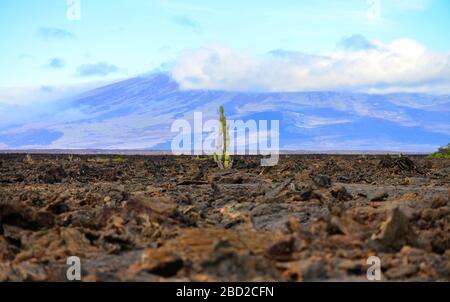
122	38
372	46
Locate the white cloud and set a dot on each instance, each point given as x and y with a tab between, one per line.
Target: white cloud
402	65
411	5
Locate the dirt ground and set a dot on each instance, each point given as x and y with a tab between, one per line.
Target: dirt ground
167	218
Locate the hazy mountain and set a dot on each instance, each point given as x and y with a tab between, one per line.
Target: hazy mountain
138	113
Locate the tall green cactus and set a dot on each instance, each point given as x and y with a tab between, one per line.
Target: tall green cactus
222	156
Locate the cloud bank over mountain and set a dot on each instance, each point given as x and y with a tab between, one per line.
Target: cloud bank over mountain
403	65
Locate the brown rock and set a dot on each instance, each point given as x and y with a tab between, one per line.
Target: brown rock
55	244
292	274
335	226
439	202
303	192
25	217
160	205
341	193
4	254
313	269
293	225
281	250
402	271
379	196
322	181
275	193
394	233
4	269
28	272
353	266
52	174
158	262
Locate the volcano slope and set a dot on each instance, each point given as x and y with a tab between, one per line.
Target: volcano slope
167	218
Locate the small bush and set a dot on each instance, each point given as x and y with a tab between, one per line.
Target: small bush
119	159
443	152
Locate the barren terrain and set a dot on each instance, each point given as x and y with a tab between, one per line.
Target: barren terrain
167	218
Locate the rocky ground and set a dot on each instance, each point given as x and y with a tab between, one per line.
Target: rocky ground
165	218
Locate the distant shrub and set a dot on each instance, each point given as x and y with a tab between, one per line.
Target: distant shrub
443	152
119	159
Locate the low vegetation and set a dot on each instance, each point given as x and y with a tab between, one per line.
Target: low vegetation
119	159
443	152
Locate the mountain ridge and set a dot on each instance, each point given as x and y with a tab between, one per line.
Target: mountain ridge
137	114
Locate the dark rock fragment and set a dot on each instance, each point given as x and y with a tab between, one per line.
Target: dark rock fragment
52	174
313	269
322	181
341	193
379	196
281	250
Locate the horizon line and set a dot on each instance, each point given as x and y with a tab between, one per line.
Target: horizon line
168	152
